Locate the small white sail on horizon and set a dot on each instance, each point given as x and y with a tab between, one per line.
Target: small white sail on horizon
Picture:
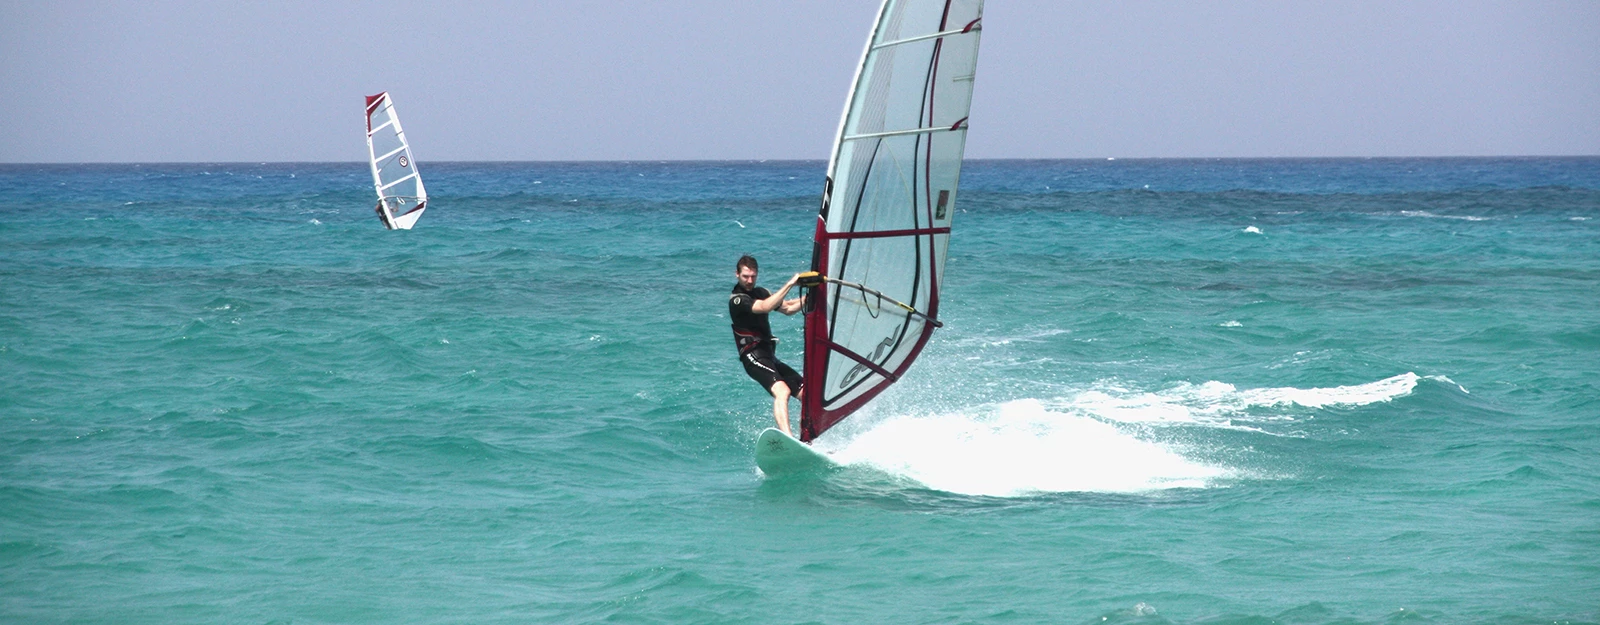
401	196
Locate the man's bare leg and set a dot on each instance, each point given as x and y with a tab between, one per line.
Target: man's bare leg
780	406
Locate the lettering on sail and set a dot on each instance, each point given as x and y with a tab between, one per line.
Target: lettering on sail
877	353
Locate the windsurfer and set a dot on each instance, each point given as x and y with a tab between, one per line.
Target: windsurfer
748	306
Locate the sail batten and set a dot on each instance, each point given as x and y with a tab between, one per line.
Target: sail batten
884	225
947	33
391	154
400	181
863	361
910	131
401	196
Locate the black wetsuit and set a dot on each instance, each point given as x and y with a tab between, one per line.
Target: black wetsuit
753	337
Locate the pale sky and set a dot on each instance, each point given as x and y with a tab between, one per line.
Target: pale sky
189	81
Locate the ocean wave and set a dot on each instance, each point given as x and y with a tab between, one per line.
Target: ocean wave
1226	405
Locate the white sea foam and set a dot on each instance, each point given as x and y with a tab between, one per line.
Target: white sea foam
1086	442
1252	230
1438	216
1223	404
1446	380
1021	447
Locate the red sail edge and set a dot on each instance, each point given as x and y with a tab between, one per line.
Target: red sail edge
372	103
813	422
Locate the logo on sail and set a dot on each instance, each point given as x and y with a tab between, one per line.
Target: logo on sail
404	162
877	353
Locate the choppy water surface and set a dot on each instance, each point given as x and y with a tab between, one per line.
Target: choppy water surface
1293	391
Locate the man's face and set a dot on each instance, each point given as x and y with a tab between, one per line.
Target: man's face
747	277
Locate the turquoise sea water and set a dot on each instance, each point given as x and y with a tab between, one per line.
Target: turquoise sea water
1172	391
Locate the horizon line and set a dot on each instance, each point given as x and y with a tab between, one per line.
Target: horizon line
823	160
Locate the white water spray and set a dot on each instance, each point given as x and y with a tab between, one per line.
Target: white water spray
1080	443
1020	447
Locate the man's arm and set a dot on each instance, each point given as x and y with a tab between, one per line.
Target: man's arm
763	306
792	306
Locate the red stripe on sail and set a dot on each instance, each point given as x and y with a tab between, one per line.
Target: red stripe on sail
821	420
875	367
876	234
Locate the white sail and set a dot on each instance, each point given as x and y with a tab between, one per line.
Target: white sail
884	225
401	196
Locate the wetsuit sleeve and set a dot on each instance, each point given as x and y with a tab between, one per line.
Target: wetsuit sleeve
739	304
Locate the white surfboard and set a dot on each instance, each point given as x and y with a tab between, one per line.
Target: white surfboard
780	454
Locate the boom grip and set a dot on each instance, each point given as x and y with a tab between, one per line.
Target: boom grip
810	279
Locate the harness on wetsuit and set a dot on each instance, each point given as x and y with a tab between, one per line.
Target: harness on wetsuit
750	330
746	341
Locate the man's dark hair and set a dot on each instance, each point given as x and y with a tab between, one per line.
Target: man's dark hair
747	261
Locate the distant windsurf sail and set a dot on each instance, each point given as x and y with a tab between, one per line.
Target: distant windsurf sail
886	206
401	197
